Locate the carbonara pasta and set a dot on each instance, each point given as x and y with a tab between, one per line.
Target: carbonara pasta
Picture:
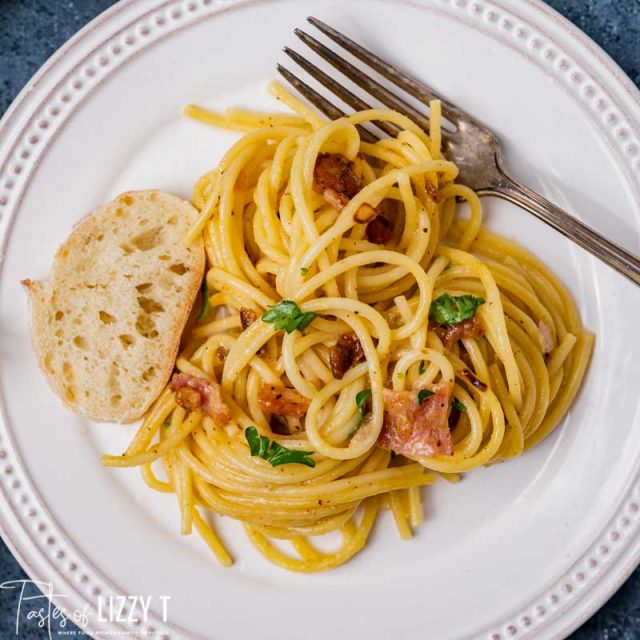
359	338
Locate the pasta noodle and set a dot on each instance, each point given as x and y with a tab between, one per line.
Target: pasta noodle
271	236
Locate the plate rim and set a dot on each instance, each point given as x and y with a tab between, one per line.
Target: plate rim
18	538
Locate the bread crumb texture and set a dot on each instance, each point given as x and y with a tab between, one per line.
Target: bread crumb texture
107	325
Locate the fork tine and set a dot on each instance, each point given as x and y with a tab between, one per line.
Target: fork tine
335	87
364	81
329	110
320	102
411	85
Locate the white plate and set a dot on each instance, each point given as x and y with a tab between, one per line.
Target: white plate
525	549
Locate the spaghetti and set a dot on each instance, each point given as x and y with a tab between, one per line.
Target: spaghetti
358	343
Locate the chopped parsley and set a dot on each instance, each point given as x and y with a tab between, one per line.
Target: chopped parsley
421	368
447	310
275	454
458	406
304	270
362	397
166	424
205	301
423	394
288	316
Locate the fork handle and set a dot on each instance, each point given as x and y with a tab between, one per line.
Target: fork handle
610	253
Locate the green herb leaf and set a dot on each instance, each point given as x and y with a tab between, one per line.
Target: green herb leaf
421	368
447	310
287	315
275	454
362	397
423	394
305	320
205	301
467	305
256	442
458	406
304	270
166	424
283	309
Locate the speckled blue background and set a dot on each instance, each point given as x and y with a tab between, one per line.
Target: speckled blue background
31	30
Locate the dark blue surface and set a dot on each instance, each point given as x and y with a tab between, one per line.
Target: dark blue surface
31	30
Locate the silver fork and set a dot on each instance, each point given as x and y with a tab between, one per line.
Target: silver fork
473	147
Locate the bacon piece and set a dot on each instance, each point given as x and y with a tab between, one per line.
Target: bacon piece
279	425
337	200
334	171
335	178
339	360
469	328
416	430
546	337
344	354
379	230
188	398
247	317
351	341
365	213
200	394
283	401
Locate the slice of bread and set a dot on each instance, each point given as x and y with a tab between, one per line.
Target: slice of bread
106	327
